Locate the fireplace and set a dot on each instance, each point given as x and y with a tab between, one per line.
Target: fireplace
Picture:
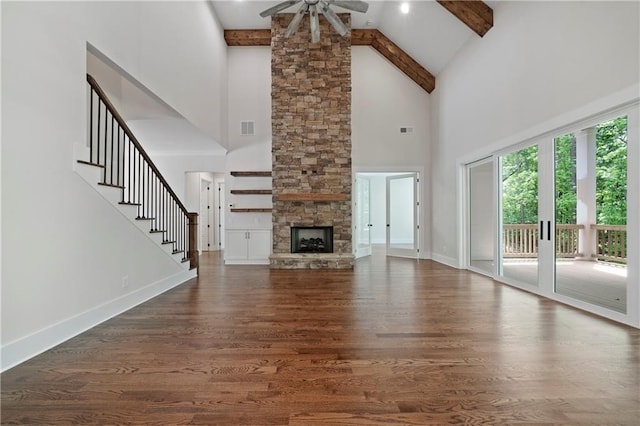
312	239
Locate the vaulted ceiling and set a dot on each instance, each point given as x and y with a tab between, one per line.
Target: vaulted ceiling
420	43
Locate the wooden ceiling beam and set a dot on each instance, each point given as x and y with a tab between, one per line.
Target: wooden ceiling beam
476	14
367	37
247	37
395	55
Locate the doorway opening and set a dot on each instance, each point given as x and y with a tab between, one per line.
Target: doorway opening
386	212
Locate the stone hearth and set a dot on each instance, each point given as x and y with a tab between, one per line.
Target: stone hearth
311	154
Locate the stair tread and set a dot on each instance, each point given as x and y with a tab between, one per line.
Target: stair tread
89	163
145	218
111	185
125	203
168	242
157	231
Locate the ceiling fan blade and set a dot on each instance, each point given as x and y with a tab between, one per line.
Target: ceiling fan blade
355	5
295	21
278	7
315	24
333	19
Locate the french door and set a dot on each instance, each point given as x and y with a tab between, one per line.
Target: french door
402	215
363	216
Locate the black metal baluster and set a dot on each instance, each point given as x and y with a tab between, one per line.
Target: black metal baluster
118	160
106	120
130	167
139	201
91	125
113	119
148	185
98	135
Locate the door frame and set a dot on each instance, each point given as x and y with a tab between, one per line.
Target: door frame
546	137
424	193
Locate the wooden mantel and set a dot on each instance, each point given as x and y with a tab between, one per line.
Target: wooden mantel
311	196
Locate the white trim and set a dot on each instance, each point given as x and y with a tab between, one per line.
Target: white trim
18	351
446	260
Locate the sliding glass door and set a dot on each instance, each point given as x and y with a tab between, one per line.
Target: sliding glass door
481	242
563	215
518	216
591	239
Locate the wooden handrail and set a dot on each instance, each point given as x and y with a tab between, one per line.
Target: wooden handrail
103	96
139	178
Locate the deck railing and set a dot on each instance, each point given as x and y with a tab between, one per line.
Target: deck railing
611	243
521	240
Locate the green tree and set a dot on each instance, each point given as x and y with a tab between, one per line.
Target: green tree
520	186
565	179
611	172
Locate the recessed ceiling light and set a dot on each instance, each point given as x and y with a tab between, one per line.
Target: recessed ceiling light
404	8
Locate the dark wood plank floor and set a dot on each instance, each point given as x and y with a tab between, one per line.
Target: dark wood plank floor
396	341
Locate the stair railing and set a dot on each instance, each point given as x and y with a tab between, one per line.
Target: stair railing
126	165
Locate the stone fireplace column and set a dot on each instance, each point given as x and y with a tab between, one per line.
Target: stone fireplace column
311	122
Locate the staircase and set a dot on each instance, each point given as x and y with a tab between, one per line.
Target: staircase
117	166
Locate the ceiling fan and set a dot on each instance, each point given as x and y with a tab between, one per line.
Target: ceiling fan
312	7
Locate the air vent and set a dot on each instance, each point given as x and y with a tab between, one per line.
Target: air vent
247	128
406	130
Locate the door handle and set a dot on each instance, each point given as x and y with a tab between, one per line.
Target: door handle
549	230
541	230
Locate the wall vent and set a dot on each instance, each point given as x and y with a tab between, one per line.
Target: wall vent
247	128
406	130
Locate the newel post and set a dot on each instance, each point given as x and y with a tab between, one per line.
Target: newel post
193	242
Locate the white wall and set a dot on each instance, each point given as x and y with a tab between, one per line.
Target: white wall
175	167
65	250
249	76
383	100
538	65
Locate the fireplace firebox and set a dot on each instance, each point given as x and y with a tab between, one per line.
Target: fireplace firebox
312	239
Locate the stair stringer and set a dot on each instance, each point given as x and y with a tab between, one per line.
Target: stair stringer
92	175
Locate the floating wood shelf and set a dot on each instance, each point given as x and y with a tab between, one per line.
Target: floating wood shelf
252	210
250	174
251	191
312	197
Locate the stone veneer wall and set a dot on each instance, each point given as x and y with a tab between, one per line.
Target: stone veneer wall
311	122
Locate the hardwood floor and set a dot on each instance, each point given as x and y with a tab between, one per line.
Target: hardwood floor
396	341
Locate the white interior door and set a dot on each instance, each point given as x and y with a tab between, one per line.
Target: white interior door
204	223
363	216
220	216
402	215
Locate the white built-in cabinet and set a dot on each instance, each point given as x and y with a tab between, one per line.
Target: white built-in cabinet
249	247
250	197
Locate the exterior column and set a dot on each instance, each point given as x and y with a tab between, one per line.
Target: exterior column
586	190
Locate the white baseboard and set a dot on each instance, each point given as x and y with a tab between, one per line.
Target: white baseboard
449	261
20	350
